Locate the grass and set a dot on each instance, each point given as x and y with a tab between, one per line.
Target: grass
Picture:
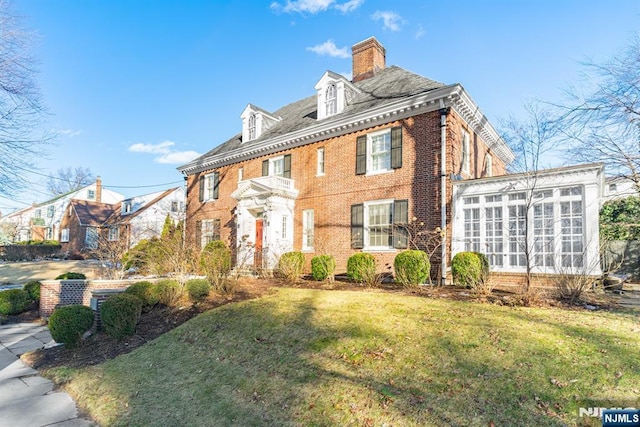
326	358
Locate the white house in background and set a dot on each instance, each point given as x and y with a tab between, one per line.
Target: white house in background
619	188
42	221
143	216
490	216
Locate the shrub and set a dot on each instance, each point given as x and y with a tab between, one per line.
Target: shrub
469	269
167	291
33	289
361	267
120	314
144	291
69	275
215	263
412	267
323	267
198	289
290	266
14	301
68	323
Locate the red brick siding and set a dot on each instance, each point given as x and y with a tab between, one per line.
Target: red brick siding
55	293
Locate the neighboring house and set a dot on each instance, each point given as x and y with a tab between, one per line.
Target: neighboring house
344	170
86	224
559	208
42	221
619	188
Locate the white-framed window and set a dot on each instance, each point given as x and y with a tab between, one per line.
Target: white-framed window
379	149
466	152
91	194
276	166
331	100
209	186
50	211
517	235
114	234
472	229
543	229
613	187
126	207
251	127
378	222
209	231
37	213
494	242
489	164
320	162
308	229
64	235
49	233
571	227
91	238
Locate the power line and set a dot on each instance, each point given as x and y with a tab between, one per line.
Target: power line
141	186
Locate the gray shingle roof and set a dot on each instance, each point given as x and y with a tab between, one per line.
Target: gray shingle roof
388	85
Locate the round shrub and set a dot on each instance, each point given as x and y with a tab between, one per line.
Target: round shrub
33	289
69	275
120	314
323	267
361	267
290	266
144	291
167	291
68	323
412	267
198	289
467	269
14	301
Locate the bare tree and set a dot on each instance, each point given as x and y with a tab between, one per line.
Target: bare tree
68	180
21	105
603	121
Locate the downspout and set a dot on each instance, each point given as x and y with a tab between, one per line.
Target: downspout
443	191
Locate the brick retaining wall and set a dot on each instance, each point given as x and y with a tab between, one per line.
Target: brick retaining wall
56	293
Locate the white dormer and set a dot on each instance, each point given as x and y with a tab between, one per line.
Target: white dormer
334	93
255	121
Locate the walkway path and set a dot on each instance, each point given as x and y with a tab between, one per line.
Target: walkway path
27	399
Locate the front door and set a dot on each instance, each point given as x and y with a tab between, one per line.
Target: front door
257	260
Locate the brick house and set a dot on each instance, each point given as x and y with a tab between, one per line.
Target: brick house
344	170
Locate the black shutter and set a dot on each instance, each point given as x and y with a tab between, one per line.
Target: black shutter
216	184
361	155
396	148
201	195
400	224
357	226
287	166
199	234
265	168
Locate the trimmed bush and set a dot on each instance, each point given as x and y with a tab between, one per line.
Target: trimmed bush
33	289
323	267
144	291
215	263
68	323
69	275
290	266
14	301
120	314
412	267
167	291
361	268
198	289
469	269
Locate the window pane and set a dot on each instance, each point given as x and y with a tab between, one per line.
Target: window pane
380	151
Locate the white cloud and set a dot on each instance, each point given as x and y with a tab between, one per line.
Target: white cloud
349	6
301	6
391	20
330	49
420	32
67	132
168	155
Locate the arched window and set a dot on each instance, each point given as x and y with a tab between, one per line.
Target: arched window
331	100
252	127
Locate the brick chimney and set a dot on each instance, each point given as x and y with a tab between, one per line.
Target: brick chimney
368	59
98	189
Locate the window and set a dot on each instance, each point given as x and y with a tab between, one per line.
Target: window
331	100
320	160
126	207
517	235
613	187
49	233
543	234
489	165
38	213
571	231
209	230
379	225
209	186
283	233
91	194
64	235
472	229
466	154
50	211
379	152
114	234
307	229
277	166
252	127
493	235
91	238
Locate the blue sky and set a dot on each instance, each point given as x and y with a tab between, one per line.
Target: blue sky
136	88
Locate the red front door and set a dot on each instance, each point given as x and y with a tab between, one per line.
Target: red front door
257	261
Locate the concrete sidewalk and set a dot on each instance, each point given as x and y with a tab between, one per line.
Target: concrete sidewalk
27	399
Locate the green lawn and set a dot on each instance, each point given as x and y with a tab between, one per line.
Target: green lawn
339	358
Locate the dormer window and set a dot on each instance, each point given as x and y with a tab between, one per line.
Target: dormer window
331	100
252	127
255	122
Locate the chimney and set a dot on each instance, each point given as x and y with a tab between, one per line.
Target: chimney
98	189
368	59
